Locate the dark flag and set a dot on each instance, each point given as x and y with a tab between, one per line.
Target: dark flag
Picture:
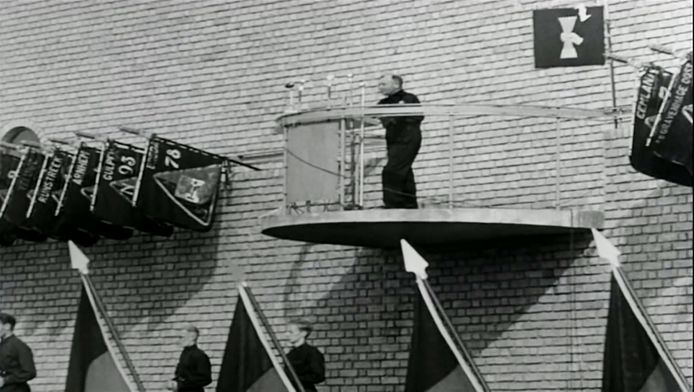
671	137
75	203
567	37
9	162
248	364
652	89
631	361
41	213
179	184
432	366
92	367
635	357
436	363
115	189
19	195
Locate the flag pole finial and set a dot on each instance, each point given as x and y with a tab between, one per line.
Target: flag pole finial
78	259
414	262
605	249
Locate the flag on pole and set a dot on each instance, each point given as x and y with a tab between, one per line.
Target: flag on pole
567	37
248	364
671	137
652	89
9	161
92	367
179	184
635	358
436	363
115	188
18	197
77	196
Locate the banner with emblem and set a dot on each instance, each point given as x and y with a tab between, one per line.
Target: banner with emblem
652	89
18	197
115	189
76	200
568	37
671	137
179	184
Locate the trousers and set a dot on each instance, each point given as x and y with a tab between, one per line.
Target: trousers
399	187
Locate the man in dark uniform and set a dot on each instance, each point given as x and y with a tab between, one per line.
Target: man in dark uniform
403	139
193	371
306	360
16	360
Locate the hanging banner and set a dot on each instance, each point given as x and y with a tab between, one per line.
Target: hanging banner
179	184
115	190
76	200
671	137
9	162
652	89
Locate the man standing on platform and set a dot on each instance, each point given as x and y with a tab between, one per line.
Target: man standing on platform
16	360
403	139
306	360
193	371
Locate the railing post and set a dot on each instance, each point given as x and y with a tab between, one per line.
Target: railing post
450	161
557	163
361	147
285	206
343	158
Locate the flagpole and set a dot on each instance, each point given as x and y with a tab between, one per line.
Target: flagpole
459	341
613	83
253	313
446	336
648	326
99	308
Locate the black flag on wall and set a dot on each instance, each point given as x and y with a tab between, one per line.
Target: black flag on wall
115	188
76	200
671	138
652	89
20	193
9	162
567	37
179	184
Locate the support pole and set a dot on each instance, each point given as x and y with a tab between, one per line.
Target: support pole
361	146
450	161
557	163
613	83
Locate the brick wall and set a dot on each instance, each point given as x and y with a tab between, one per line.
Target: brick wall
211	74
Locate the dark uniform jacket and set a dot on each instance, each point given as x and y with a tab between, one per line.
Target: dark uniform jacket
401	129
309	365
16	365
193	372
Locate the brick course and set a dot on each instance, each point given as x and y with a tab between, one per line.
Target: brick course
211	74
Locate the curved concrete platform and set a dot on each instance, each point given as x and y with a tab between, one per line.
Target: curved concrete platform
385	228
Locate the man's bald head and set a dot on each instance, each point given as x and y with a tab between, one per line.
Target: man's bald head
389	84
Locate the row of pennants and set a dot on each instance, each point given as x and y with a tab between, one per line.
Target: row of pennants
106	189
662	135
635	356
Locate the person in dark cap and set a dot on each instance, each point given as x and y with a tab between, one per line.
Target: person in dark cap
403	139
193	371
16	360
306	360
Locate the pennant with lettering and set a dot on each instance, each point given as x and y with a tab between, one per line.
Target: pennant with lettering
179	184
77	196
92	366
19	195
115	189
671	137
652	89
568	37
